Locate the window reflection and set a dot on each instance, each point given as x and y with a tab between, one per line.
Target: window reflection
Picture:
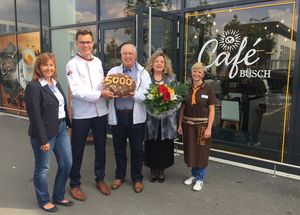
197	3
64	48
113	40
111	9
45	26
28	15
248	51
7	17
161	37
45	12
72	12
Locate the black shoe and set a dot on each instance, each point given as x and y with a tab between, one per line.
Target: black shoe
152	180
66	204
161	180
153	175
161	176
53	209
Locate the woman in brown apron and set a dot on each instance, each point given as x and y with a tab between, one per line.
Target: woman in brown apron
196	117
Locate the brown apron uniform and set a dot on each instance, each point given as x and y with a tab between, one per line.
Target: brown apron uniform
196	148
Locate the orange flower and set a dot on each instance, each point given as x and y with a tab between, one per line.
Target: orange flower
171	91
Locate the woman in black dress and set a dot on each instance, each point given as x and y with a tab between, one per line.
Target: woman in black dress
160	133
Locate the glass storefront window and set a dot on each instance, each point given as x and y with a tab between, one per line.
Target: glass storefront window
9	71
45	25
64	48
161	37
28	15
45	13
16	66
112	9
113	41
72	12
250	53
7	17
197	3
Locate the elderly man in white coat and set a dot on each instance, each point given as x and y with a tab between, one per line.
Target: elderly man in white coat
127	117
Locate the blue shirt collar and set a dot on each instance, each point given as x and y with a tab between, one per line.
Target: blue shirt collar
132	68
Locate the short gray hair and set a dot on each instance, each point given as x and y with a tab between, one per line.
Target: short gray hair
129	44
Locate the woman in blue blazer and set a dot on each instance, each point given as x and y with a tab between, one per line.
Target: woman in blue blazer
46	106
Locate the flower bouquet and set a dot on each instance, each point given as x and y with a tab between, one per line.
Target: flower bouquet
163	100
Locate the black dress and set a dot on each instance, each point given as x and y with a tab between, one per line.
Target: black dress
159	154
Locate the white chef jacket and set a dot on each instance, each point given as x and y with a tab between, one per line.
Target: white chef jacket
85	78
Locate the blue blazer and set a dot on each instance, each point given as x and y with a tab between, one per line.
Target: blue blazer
42	109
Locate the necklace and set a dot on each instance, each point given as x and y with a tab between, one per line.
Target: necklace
158	80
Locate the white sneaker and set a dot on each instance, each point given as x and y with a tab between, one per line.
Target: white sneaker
190	180
198	185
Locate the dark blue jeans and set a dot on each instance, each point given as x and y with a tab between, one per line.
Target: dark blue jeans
198	173
135	133
60	145
80	131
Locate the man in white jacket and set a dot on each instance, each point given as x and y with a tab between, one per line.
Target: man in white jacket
127	117
89	111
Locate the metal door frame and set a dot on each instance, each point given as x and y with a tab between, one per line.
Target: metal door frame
177	44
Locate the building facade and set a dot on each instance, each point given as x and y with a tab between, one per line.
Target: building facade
251	48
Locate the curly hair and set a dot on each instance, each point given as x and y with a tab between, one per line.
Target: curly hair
168	65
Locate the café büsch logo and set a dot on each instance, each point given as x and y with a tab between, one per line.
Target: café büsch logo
231	40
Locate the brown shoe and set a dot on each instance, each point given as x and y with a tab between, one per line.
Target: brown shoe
138	187
104	189
77	194
116	184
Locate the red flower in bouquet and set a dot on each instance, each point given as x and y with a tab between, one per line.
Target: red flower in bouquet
166	96
164	99
162	88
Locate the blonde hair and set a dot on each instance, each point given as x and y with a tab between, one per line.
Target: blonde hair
199	65
168	65
41	60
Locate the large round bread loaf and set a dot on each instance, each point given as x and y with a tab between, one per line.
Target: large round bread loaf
120	84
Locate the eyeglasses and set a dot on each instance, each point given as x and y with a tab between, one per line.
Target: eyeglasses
85	42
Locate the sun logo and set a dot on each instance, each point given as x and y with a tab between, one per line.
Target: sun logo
230	40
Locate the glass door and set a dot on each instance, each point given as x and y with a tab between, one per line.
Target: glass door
150	30
157	30
115	34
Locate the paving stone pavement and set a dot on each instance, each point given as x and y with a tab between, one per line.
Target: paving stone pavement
227	190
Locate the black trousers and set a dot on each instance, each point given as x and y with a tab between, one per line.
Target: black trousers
135	133
80	131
